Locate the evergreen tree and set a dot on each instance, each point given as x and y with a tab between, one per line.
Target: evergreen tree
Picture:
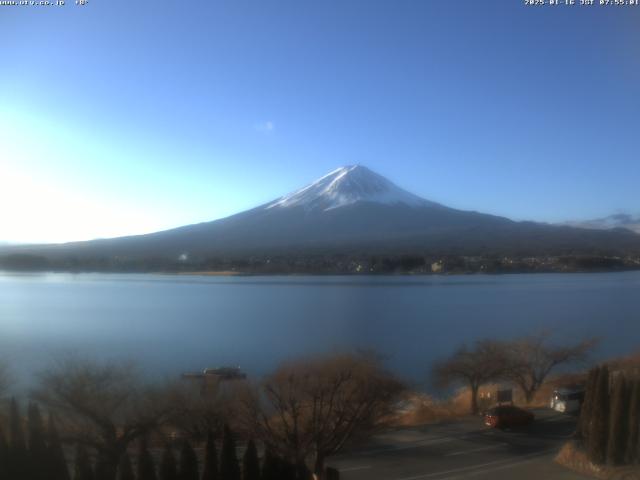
168	469
4	458
18	462
250	462
125	470
631	455
188	462
229	467
618	423
599	427
38	454
332	474
56	463
83	469
287	470
105	467
586	410
104	470
270	466
302	472
210	471
16	434
146	467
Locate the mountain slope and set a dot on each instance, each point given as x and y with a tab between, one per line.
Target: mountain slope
618	220
353	210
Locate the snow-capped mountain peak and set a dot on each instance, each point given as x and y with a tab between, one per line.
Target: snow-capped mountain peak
345	186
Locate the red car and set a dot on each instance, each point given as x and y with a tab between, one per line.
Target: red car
505	416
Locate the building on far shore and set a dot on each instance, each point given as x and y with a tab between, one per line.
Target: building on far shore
211	378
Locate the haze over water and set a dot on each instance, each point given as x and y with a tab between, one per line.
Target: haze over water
169	324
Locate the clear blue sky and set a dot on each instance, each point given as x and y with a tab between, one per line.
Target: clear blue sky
131	116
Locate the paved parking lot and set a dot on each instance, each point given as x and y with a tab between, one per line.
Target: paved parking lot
463	449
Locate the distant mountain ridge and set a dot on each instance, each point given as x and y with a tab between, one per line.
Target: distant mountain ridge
618	220
351	210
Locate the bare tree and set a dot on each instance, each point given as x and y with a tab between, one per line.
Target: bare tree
198	411
307	410
531	359
473	367
101	406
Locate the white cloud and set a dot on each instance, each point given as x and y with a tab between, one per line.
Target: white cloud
266	127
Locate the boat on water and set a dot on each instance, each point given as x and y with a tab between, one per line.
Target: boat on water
218	373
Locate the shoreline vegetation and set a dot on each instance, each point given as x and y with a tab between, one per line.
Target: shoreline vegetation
209	273
106	412
606	443
104	418
328	264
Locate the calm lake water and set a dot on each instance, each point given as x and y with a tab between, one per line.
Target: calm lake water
169	324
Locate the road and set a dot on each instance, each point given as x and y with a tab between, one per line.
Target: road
463	449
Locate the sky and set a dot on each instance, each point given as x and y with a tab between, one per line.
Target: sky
122	117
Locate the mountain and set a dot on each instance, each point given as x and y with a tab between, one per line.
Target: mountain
347	186
618	220
351	210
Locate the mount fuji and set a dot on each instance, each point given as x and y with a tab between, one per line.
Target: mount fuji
346	186
351	210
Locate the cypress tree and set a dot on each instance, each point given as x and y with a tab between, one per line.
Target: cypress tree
83	469
210	471
287	470
229	467
103	469
270	466
168	469
631	455
250	462
146	467
599	428
15	427
586	410
125	470
188	462
332	474
56	461
4	458
18	462
302	472
618	423
38	454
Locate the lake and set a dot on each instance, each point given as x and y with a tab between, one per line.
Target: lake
174	323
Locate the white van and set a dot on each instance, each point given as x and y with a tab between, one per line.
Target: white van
567	400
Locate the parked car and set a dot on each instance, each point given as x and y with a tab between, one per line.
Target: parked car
567	400
505	416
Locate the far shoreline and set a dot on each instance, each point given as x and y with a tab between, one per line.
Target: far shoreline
234	273
208	273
